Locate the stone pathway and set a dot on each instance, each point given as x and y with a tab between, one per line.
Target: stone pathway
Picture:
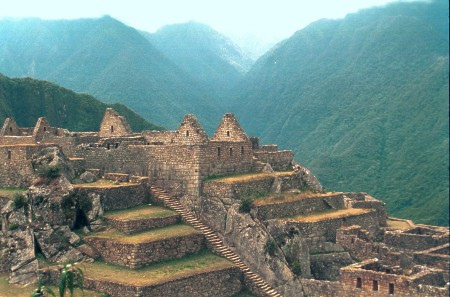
214	240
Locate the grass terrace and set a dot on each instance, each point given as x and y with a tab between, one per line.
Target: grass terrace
140	212
398	223
290	197
157	273
249	177
7	290
104	183
328	215
10	192
146	236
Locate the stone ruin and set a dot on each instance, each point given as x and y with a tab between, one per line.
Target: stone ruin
292	238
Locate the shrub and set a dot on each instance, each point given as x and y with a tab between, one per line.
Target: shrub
19	201
49	171
246	205
296	267
13	226
269	247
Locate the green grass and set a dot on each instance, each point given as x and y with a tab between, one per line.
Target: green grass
157	273
237	178
103	183
328	215
140	212
147	236
289	197
9	192
7	290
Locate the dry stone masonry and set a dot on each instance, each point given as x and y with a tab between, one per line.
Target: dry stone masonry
273	229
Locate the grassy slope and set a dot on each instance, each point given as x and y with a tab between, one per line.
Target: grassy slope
364	103
27	99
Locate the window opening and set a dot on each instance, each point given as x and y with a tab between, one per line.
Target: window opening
9	155
112	129
391	289
242	150
228	133
375	285
108	146
358	282
187	133
218	152
231	151
117	144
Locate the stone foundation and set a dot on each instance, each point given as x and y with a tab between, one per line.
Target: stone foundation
138	255
136	225
224	282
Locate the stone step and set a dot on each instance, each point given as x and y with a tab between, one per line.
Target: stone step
141	218
216	242
142	248
199	275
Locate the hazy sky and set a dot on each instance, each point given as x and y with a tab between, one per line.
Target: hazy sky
267	20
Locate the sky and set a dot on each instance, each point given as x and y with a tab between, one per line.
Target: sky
264	21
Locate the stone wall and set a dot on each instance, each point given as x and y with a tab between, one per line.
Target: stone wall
15	164
131	226
435	257
118	197
261	184
414	242
138	255
361	282
224	282
301	206
16	140
320	288
113	124
317	232
279	160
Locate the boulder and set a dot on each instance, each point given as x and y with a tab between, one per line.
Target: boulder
267	169
52	156
52	201
22	259
88	177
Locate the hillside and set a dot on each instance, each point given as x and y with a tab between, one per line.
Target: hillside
208	56
363	101
27	99
107	59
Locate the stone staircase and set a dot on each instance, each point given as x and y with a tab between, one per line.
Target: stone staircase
214	241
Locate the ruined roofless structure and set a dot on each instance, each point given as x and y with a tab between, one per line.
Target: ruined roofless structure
175	160
291	239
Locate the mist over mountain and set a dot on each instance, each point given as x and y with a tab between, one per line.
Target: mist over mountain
363	101
107	59
208	56
27	99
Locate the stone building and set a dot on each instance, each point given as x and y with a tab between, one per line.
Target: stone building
297	238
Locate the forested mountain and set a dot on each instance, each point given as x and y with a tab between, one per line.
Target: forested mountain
363	101
208	56
107	59
27	99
